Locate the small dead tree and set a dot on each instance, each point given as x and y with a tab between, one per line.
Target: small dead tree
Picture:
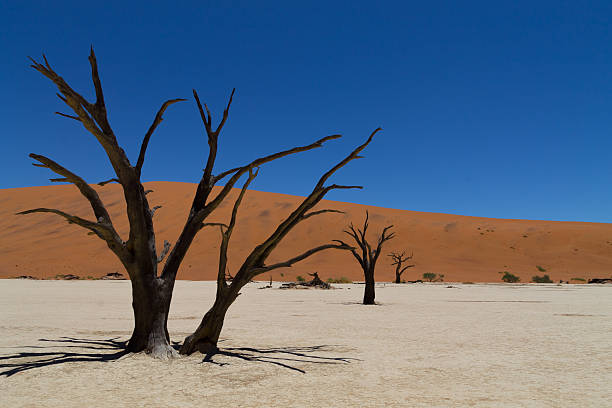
206	336
368	256
398	261
151	291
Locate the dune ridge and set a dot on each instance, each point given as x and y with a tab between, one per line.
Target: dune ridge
463	248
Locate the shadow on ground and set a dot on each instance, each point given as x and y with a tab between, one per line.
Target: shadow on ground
285	357
90	350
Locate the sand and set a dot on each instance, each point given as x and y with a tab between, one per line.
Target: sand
462	248
425	345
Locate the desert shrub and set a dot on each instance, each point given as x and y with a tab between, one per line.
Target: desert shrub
541	279
429	276
579	279
540	268
300	278
467	283
510	278
340	280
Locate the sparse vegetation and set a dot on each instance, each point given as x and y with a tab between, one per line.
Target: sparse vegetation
429	276
300	278
579	279
540	268
342	279
510	278
541	279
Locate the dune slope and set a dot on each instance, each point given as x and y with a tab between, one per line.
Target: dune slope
462	248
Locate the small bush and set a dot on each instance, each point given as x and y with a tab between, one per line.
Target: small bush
579	279
300	278
341	280
540	268
510	278
541	279
429	276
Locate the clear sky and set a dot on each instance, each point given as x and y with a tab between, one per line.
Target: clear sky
489	108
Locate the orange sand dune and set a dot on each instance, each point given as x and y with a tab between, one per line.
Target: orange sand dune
462	248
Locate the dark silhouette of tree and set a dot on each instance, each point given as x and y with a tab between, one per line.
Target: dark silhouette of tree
398	261
151	290
368	256
206	336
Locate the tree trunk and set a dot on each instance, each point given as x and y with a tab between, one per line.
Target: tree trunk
206	336
398	277
151	304
368	294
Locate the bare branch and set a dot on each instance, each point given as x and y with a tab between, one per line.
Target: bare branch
406	267
103	183
225	112
252	175
164	251
226	173
213	224
353	155
88	192
72	219
230	228
290	262
266	159
202	114
261	252
313	213
157	207
158	119
353	252
78	103
96	80
68	116
59	180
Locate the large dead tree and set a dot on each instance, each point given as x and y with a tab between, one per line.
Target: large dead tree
398	261
206	336
368	256
151	290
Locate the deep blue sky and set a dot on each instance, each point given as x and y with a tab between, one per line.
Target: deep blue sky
496	109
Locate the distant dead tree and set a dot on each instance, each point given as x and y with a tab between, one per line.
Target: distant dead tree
206	336
368	256
152	291
398	261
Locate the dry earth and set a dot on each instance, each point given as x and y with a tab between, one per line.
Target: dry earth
463	248
425	345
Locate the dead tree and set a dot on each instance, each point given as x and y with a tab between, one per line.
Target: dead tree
398	261
206	336
368	256
151	291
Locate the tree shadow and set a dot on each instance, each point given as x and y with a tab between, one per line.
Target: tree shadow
279	356
92	350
